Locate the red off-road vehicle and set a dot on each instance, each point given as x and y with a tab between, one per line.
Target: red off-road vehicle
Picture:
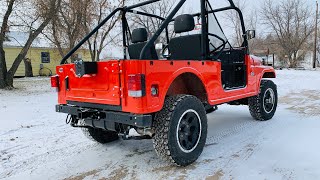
166	98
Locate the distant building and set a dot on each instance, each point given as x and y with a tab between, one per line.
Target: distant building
44	57
270	58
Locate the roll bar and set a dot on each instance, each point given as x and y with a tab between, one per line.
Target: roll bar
163	26
203	15
142	4
66	57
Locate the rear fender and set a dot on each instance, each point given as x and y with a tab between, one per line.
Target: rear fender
179	73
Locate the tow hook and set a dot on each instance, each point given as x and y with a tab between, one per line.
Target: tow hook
69	119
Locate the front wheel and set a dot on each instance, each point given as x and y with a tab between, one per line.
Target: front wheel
263	106
180	130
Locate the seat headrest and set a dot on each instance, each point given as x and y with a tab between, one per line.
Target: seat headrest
184	23
139	35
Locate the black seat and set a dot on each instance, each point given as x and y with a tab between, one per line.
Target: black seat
185	47
139	40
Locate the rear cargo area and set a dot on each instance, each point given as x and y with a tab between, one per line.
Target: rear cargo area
103	87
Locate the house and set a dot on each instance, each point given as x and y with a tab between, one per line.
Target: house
43	56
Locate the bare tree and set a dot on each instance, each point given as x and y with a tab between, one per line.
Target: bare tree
28	67
67	28
4	29
33	21
76	19
162	9
234	22
318	48
104	36
252	23
290	21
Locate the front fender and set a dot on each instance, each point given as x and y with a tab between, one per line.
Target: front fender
264	72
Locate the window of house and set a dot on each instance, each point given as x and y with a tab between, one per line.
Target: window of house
45	57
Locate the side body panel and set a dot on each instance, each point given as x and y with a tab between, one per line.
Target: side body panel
163	73
109	85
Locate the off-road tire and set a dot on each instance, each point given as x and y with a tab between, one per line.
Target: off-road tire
166	124
100	135
256	103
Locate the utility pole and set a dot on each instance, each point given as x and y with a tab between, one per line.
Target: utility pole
315	39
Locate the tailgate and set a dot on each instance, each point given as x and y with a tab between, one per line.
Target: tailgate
100	88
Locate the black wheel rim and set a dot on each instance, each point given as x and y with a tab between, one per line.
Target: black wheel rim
189	131
269	100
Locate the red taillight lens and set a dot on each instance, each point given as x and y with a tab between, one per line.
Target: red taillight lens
134	82
136	85
55	81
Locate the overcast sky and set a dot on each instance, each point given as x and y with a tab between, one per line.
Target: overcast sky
194	6
251	5
256	3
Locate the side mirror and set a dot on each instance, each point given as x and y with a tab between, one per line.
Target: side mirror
250	34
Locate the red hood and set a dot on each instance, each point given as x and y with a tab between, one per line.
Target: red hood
257	61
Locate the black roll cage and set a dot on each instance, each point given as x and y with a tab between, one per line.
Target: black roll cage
164	26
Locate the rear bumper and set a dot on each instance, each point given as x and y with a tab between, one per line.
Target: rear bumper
108	119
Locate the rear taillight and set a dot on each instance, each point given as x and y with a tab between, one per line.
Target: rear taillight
136	85
55	82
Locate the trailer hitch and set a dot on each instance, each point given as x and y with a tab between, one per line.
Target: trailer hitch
74	122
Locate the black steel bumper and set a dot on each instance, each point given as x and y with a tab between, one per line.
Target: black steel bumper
108	119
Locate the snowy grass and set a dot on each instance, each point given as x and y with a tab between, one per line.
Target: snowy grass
35	143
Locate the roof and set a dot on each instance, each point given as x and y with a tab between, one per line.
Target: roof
261	52
19	39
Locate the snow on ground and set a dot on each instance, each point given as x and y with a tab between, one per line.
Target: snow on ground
35	143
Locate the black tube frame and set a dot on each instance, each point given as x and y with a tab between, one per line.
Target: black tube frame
87	37
164	25
161	28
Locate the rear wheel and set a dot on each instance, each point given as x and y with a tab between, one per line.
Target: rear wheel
100	135
263	106
180	130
